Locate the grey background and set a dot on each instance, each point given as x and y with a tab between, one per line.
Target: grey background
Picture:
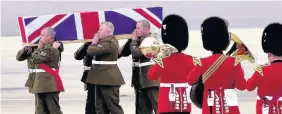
251	14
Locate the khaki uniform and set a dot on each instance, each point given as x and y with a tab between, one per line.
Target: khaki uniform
45	86
106	76
146	90
87	62
24	55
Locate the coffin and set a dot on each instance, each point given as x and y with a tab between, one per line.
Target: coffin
81	27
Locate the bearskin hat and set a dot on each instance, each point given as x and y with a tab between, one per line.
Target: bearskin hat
175	32
215	34
272	39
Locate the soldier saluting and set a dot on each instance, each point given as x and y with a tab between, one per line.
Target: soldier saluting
104	73
26	54
47	83
146	91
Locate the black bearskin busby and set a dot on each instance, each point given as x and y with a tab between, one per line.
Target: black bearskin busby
215	34
175	32
272	39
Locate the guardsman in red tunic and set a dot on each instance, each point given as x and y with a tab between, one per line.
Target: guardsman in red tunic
268	78
174	90
219	73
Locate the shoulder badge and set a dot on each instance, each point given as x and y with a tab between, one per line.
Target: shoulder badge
197	61
259	70
237	60
43	53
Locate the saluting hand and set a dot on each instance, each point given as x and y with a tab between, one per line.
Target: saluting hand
95	40
41	44
134	35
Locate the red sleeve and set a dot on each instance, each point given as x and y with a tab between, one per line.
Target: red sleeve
240	81
195	75
254	81
154	72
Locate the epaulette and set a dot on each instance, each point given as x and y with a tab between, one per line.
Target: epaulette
259	69
237	60
197	61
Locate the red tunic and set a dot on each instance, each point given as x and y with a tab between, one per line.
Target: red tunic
176	68
229	75
268	81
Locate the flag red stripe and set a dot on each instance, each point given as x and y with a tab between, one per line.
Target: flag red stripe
22	30
148	17
90	24
47	24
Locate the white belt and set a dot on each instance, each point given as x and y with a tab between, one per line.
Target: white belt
87	68
105	62
174	84
269	98
138	64
37	70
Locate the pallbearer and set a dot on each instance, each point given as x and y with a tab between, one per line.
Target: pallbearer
267	78
219	73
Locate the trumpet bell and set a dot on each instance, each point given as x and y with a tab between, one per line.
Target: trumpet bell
241	50
157	51
150	47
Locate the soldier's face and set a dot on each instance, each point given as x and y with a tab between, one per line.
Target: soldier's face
103	31
139	30
45	38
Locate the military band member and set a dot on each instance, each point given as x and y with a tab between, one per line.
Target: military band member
87	62
220	74
267	78
47	84
174	90
146	91
104	72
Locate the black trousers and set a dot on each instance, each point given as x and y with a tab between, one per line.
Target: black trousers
90	101
48	103
107	100
146	100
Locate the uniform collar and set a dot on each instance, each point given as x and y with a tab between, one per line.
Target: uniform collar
149	34
276	61
50	44
220	52
108	38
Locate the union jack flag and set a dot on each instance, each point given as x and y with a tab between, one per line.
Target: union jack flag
84	25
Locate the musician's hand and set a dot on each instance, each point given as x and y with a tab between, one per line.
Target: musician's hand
41	44
56	45
134	35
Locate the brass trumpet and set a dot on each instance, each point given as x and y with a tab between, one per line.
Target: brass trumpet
151	47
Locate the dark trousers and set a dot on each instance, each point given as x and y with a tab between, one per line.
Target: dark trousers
107	100
146	100
90	101
48	103
176	113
